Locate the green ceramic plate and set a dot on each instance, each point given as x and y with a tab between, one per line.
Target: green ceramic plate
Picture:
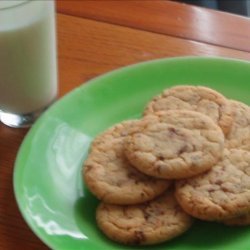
48	185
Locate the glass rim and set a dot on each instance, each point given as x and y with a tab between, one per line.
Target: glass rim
24	2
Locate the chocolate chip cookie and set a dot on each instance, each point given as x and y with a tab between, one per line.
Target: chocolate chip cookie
239	135
194	98
221	193
174	144
153	222
111	177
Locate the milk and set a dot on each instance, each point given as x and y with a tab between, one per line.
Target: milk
28	68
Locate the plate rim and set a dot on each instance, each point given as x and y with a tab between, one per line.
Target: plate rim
17	170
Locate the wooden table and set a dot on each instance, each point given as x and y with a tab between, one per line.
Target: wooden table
97	36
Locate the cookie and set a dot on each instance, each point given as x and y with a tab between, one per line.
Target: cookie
110	176
239	135
243	220
194	98
174	144
153	222
221	193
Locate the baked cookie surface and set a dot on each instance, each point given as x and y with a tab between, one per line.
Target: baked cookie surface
110	176
150	223
194	98
239	135
221	193
174	144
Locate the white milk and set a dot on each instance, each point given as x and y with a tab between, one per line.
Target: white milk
28	68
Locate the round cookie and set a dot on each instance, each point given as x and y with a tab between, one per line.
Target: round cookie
239	135
110	176
153	222
174	144
221	193
194	98
243	220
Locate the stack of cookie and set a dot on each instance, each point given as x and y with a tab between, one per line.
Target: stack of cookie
192	137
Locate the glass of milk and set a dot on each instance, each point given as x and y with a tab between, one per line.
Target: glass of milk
28	64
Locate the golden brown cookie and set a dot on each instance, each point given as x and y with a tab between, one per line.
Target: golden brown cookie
221	193
243	220
110	176
194	98
239	135
153	222
174	144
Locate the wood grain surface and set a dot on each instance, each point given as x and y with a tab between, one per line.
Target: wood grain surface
99	47
87	48
167	17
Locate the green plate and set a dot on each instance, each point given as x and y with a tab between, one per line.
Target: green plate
48	186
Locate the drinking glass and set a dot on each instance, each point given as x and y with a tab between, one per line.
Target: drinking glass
28	64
